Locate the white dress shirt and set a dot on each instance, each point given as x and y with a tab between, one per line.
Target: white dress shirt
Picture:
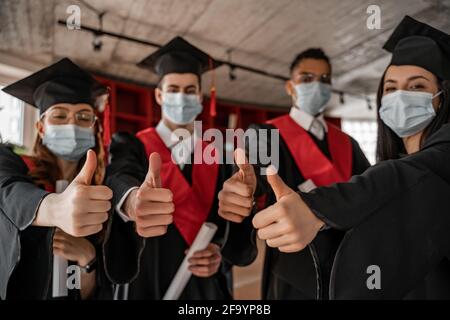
317	126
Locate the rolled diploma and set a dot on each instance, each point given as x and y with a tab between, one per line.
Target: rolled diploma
183	274
59	263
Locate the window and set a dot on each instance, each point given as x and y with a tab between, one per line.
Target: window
365	132
11	119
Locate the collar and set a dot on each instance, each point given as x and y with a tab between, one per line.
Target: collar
181	150
307	121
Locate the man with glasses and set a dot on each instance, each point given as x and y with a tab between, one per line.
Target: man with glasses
313	153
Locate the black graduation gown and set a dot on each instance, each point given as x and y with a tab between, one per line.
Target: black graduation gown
398	219
149	265
25	251
26	263
305	274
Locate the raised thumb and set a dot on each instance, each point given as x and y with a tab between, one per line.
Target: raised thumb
153	178
87	172
245	169
278	186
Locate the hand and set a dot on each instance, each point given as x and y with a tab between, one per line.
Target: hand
81	209
205	263
289	224
236	197
71	248
151	206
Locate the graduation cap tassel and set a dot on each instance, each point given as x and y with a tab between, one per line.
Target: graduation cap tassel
212	106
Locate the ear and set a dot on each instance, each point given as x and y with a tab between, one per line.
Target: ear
158	96
40	129
289	88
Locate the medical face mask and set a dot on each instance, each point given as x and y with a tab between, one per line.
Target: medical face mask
181	108
68	141
312	97
407	112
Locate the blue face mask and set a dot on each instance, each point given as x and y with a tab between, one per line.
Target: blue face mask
181	108
68	141
312	97
407	112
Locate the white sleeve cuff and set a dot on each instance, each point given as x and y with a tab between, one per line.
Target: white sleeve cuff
119	211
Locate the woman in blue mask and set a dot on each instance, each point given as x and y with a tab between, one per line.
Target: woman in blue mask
397	244
52	201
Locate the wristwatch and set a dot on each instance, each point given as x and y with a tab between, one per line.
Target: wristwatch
91	266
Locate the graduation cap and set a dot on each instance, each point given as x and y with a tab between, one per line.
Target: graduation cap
416	43
62	82
179	56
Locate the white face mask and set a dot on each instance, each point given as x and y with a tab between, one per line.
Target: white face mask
68	141
407	112
312	97
181	108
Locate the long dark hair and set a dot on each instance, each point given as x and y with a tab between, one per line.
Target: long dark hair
389	145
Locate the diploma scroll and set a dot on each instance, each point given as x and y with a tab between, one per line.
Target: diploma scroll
183	274
59	263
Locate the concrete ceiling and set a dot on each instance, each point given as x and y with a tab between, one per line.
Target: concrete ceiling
264	34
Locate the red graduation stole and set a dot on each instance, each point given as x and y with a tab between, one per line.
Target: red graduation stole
192	203
29	161
310	160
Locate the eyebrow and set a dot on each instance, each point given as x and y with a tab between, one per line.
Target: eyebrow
409	79
67	109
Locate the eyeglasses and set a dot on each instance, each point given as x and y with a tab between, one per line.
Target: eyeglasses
60	116
308	77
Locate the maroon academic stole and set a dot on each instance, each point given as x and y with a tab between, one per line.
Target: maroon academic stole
310	160
192	203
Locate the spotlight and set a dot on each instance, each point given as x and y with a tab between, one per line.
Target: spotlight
341	98
97	43
231	74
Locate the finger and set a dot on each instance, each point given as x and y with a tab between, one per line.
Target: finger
236	186
272	231
266	217
203	253
153	178
201	270
154	194
93	219
96	206
231	216
57	244
230	207
278	186
58	252
291	248
149	232
246	171
150	208
154	220
88	170
99	193
90	230
283	240
234	198
60	237
213	260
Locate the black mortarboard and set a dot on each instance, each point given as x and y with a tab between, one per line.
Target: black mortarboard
62	82
179	56
416	43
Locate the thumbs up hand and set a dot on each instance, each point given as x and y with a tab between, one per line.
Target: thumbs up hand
289	224
236	197
81	209
151	206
